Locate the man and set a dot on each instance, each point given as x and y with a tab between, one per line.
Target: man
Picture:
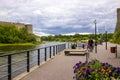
90	43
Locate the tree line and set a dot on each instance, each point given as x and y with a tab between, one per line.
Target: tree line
10	34
77	37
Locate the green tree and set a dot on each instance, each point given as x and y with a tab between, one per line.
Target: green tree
116	37
10	34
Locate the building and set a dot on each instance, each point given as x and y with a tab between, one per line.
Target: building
28	27
118	20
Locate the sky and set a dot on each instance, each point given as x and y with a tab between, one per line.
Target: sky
53	17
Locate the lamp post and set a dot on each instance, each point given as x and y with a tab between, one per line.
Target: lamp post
106	39
95	22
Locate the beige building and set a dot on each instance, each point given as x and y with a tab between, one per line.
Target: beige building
118	20
28	27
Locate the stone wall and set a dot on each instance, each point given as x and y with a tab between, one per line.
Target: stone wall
118	20
19	25
6	23
28	27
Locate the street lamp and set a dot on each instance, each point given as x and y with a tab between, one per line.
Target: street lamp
95	22
106	39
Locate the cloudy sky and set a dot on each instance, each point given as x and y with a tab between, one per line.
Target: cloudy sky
61	16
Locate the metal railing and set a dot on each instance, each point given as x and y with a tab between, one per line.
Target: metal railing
16	63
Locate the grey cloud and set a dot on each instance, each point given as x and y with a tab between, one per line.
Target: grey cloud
74	14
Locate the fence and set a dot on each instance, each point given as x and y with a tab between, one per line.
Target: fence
14	64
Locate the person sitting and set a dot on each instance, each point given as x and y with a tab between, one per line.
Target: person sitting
83	46
73	46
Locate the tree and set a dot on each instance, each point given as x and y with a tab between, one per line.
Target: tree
116	37
10	34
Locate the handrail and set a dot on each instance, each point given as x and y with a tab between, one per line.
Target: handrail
53	50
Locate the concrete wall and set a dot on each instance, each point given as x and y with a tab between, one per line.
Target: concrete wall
118	20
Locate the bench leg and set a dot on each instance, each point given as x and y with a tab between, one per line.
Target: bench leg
87	56
67	52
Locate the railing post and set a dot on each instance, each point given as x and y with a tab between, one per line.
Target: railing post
28	61
60	47
45	54
9	68
50	51
56	49
68	44
53	50
64	46
38	56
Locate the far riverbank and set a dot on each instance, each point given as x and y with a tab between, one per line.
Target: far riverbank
6	48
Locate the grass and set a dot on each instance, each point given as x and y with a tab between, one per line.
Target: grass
21	44
5	48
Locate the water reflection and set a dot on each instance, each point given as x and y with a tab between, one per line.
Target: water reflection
13	48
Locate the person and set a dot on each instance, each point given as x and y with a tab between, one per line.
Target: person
83	46
88	47
73	46
90	43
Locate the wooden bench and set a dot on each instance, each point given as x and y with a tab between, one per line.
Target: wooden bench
75	51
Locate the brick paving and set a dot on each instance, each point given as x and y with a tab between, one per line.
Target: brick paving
61	66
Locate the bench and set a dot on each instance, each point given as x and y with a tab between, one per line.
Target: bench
75	51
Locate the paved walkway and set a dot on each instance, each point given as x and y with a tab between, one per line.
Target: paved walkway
61	67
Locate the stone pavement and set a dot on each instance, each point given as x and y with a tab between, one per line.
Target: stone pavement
104	55
61	66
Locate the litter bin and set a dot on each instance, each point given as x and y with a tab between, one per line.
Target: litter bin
112	49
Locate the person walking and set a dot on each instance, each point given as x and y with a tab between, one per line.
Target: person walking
90	43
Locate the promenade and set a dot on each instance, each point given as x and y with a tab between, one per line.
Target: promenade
61	66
